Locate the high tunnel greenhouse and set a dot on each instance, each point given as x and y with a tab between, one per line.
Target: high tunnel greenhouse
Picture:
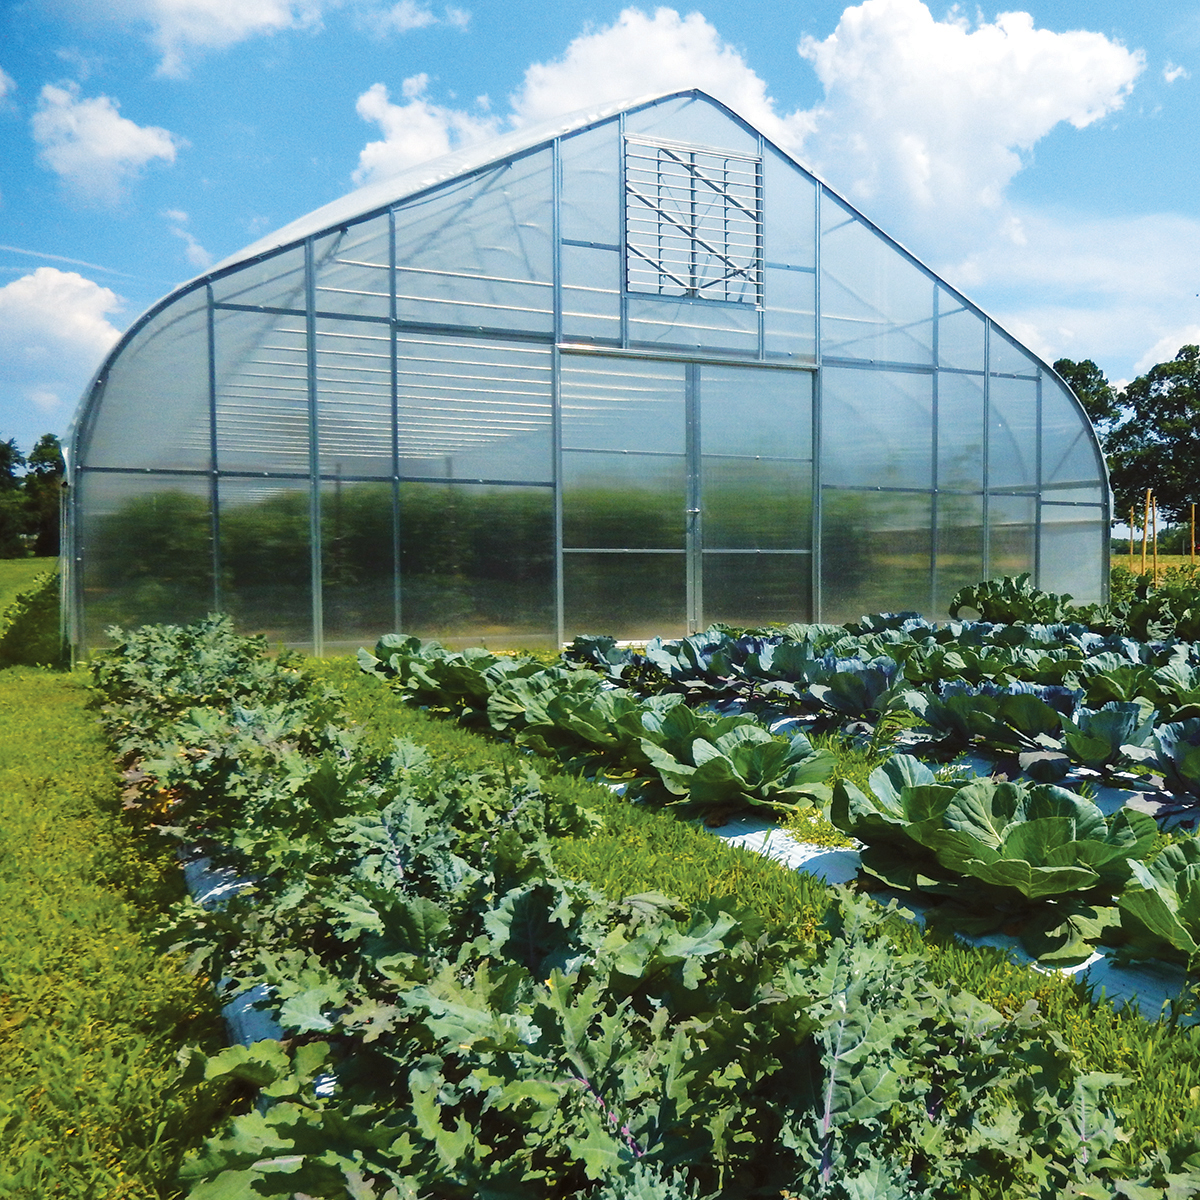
630	373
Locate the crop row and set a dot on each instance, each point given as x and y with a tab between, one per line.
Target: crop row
463	1021
1022	856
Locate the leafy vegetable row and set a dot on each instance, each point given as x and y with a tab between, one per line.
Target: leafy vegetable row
714	764
461	1021
643	728
1036	859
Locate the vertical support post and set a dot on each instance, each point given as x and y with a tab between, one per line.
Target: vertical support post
693	537
1154	527
934	498
1145	530
74	473
1037	531
818	376
314	456
1131	536
560	631
624	222
214	494
1193	535
66	643
987	448
397	606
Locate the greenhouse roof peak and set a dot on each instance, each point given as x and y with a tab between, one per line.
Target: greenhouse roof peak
383	192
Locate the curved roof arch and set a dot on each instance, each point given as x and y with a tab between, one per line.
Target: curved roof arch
378	196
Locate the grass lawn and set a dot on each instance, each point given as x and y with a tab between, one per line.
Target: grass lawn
18	574
92	1014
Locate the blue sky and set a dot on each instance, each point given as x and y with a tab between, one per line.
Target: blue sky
1043	160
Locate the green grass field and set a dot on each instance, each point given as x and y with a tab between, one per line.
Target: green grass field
92	1014
18	574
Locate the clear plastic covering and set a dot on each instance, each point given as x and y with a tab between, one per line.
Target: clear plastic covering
875	304
156	419
145	542
572	383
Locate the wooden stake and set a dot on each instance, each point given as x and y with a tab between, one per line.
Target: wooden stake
1154	518
1193	535
1131	539
1145	530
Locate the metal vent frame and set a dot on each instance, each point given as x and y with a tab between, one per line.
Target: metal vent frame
693	222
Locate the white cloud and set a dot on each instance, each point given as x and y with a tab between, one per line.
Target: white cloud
413	132
639	54
195	253
7	84
926	120
182	28
91	147
1169	345
1121	290
934	117
54	331
43	401
402	17
1171	72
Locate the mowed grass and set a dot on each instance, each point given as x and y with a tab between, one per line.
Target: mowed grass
17	575
92	1015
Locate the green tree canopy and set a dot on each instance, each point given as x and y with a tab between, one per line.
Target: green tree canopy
11	460
43	488
1095	393
1156	444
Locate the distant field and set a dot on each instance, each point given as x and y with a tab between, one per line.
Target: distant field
16	574
1164	561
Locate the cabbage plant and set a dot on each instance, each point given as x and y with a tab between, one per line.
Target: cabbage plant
1036	858
1160	906
1177	755
1107	737
742	767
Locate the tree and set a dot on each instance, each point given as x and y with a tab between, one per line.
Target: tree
43	488
11	459
1096	394
13	518
1155	444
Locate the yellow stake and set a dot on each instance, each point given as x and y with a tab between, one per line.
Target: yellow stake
1145	530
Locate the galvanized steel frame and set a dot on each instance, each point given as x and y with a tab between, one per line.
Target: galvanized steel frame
558	347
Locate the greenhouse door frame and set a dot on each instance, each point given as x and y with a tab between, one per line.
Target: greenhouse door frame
694	550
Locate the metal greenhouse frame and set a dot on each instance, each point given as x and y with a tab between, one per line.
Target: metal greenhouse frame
630	373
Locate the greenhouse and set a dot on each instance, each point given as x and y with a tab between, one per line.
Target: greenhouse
630	373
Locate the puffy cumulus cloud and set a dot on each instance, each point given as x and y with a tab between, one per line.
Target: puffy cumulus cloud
1117	290
182	28
92	148
413	132
54	332
1172	72
7	84
639	54
935	116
